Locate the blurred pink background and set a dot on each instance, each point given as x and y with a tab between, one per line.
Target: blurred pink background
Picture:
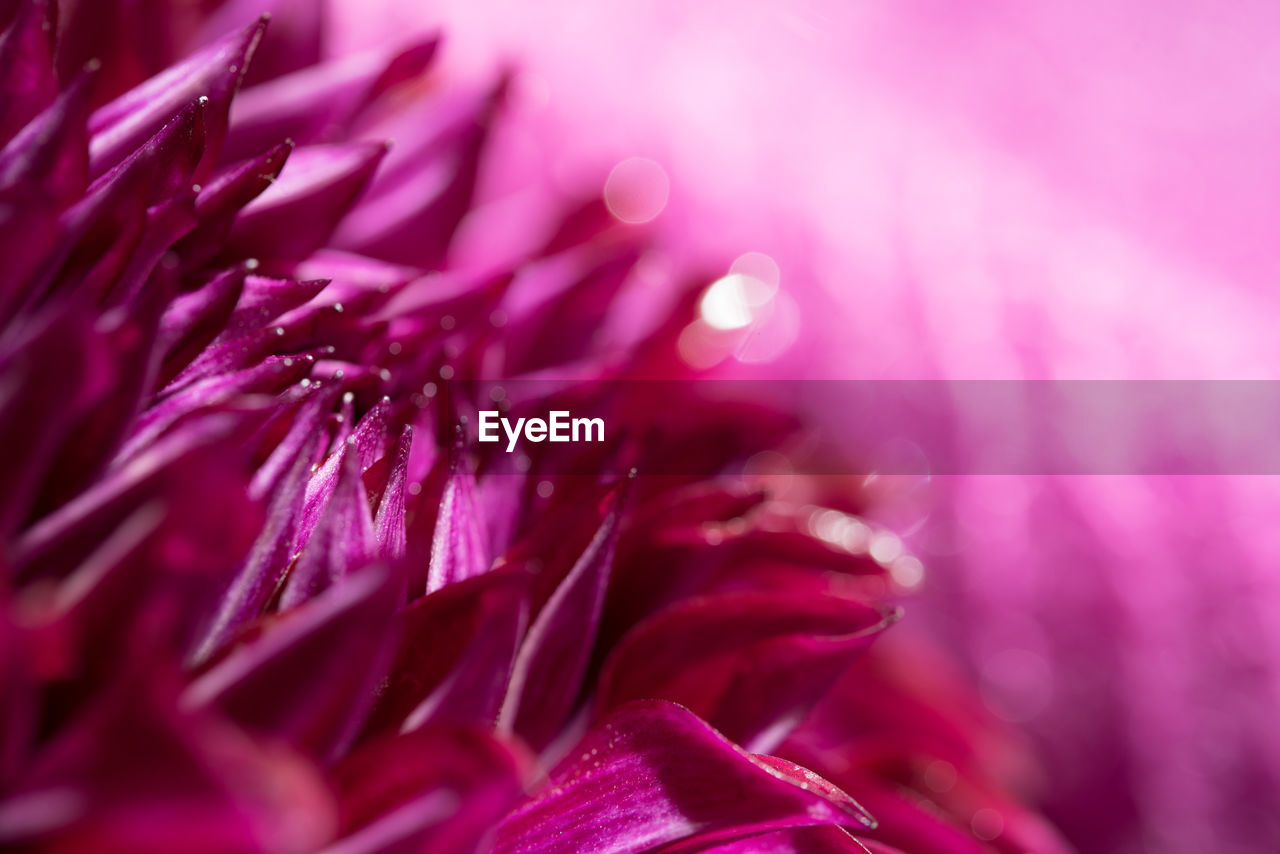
985	190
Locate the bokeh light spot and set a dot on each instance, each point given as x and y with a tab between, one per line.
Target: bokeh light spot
637	190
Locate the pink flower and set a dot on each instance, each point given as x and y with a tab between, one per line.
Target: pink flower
264	590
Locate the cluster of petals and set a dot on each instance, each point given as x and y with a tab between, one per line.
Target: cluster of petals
262	591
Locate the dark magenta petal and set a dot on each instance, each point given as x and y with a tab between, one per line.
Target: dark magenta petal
456	654
440	789
96	432
29	236
131	216
19	715
415	204
271	376
549	668
294	39
574	294
150	581
458	548
801	840
907	823
192	784
672	513
307	422
753	553
192	320
654	775
388	524
27	81
366	443
131	39
214	74
264	300
751	664
51	151
319	103
264	568
49	377
896	714
59	541
221	199
296	215
343	540
308	676
261	301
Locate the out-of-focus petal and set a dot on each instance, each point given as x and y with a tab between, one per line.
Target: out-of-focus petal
320	102
416	203
441	789
193	784
212	74
308	676
297	213
553	658
455	659
804	840
750	664
51	152
295	38
27	82
653	775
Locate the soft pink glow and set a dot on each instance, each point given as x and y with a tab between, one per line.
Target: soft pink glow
982	190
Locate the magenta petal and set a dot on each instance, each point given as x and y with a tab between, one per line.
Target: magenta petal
343	540
213	74
309	675
192	320
366	443
417	201
389	527
193	784
458	549
800	840
318	103
264	568
27	81
456	654
296	215
29	235
370	436
131	39
574	294
19	716
549	668
220	202
654	775
308	423
294	39
130	217
909	824
265	300
59	541
261	301
268	377
51	153
751	664
98	429
440	790
48	374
